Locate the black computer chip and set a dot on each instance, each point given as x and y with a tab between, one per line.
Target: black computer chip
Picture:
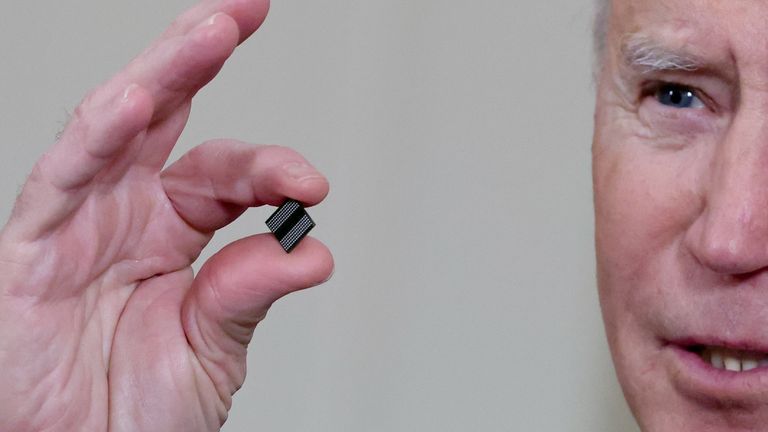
290	223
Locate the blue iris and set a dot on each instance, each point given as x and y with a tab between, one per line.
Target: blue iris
677	96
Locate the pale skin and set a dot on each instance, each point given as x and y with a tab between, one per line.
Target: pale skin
103	325
681	206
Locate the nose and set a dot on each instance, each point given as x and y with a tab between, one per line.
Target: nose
731	234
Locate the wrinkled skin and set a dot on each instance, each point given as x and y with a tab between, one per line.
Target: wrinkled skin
103	325
681	207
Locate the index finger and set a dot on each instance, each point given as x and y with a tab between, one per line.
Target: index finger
163	80
151	68
248	14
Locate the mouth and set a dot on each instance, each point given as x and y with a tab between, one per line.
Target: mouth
719	372
728	359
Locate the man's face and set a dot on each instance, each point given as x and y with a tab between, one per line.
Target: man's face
680	169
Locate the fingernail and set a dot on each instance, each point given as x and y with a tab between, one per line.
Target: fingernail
128	91
301	171
212	19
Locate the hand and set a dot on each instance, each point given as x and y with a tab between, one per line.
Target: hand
103	325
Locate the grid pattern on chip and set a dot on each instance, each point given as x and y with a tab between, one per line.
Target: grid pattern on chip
297	232
290	223
282	215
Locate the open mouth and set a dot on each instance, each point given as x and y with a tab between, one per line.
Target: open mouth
730	359
718	371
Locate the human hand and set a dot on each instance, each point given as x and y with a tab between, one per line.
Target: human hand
103	326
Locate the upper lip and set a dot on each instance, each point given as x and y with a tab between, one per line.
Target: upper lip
732	344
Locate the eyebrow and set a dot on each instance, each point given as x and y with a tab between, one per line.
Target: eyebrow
642	53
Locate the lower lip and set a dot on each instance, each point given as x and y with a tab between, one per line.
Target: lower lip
700	380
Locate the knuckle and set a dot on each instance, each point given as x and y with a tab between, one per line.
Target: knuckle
282	153
176	26
88	102
217	144
79	123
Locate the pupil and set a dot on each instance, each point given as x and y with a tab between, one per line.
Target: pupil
676	96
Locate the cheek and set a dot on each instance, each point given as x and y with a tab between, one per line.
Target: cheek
644	203
645	200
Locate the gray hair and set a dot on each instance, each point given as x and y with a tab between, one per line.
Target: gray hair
600	29
646	55
638	50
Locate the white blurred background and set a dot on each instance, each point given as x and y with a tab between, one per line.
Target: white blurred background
456	136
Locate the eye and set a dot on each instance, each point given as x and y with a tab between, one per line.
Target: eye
678	96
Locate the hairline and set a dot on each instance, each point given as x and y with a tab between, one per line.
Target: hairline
600	28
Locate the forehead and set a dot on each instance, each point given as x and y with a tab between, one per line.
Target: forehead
705	27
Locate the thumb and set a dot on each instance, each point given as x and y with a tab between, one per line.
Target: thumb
236	287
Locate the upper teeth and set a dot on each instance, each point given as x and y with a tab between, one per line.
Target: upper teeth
732	360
